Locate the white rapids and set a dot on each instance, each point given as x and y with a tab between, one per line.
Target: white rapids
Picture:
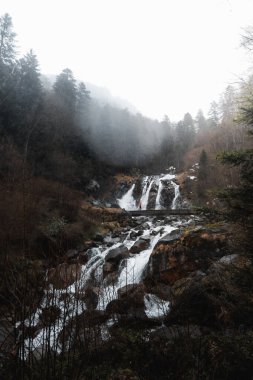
131	271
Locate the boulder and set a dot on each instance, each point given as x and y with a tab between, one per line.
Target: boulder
130	303
140	245
176	257
117	254
49	315
135	234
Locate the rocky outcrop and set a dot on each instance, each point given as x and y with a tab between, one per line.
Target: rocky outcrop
178	257
152	196
167	194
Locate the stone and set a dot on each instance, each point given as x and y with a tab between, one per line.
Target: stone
49	315
117	254
98	237
139	245
72	253
177	257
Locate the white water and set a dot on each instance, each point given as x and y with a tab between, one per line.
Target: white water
128	202
145	194
177	194
158	197
134	266
155	307
131	271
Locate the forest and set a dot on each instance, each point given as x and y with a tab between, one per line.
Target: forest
65	159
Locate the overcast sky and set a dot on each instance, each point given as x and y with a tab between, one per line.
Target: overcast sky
164	56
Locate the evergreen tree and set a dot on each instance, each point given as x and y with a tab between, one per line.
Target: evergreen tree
66	91
29	89
240	198
7	40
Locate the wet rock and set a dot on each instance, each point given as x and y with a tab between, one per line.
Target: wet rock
135	234
49	315
98	237
130	304
152	197
117	254
145	226
132	290
140	245
108	267
91	297
176	257
170	238
167	194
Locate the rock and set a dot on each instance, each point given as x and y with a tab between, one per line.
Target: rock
130	304
64	275
176	257
152	196
135	234
167	194
72	253
108	267
130	289
99	237
49	315
228	259
140	245
169	238
91	297
117	254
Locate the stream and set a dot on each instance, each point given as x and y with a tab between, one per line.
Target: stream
113	251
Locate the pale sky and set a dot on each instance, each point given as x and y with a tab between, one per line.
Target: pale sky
164	56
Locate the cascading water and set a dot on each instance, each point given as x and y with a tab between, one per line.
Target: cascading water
158	197
146	192
176	197
128	202
130	270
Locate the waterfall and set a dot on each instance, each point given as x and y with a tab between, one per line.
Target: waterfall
130	269
158	197
128	202
145	193
177	195
133	268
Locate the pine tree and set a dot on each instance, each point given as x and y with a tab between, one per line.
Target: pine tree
240	198
7	40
